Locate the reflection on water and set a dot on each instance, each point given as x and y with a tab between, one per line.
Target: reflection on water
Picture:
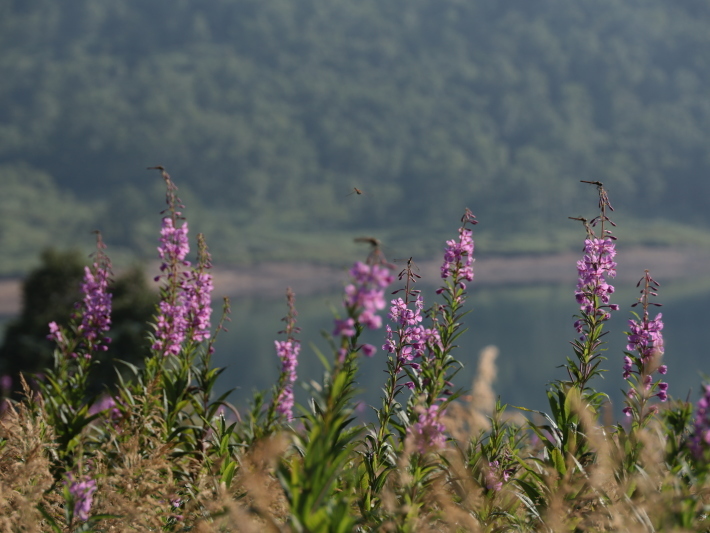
531	325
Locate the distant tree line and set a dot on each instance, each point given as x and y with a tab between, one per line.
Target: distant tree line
267	108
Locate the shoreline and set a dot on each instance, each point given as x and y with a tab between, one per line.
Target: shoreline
271	279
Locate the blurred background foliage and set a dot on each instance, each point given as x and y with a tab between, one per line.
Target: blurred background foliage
50	293
268	113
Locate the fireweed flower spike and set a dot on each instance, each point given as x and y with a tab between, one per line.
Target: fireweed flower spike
94	310
456	271
593	293
428	431
172	319
425	355
406	342
96	314
646	339
287	352
198	294
458	257
364	297
82	492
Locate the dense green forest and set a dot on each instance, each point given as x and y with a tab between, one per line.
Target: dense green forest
271	112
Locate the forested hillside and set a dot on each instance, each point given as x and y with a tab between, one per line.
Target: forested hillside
271	112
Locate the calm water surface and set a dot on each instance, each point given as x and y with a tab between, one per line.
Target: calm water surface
531	325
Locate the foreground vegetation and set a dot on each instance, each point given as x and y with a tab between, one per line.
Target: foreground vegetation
163	454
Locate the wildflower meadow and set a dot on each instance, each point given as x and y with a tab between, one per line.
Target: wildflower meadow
162	452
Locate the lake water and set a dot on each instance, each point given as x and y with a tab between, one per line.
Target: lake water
531	326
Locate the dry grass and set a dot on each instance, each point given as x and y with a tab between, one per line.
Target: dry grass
147	486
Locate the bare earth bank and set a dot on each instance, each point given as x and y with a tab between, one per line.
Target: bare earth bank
271	279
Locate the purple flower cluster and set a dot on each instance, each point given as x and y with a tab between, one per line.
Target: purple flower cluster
344	327
174	245
198	298
287	351
428	431
95	309
82	491
56	335
495	477
96	318
364	296
413	337
172	320
366	293
458	261
188	308
458	257
107	405
198	294
170	327
645	338
699	439
592	268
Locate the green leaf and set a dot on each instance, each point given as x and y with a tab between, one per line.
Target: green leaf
228	473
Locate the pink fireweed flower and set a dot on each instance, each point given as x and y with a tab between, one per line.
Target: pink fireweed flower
592	269
459	256
662	391
198	294
370	320
458	260
198	298
174	244
287	352
495	477
413	338
428	431
96	316
365	295
103	404
82	491
646	339
410	340
170	326
628	367
345	327
55	333
173	310
402	315
369	350
94	309
699	440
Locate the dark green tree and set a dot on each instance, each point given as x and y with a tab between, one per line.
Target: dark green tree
50	293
